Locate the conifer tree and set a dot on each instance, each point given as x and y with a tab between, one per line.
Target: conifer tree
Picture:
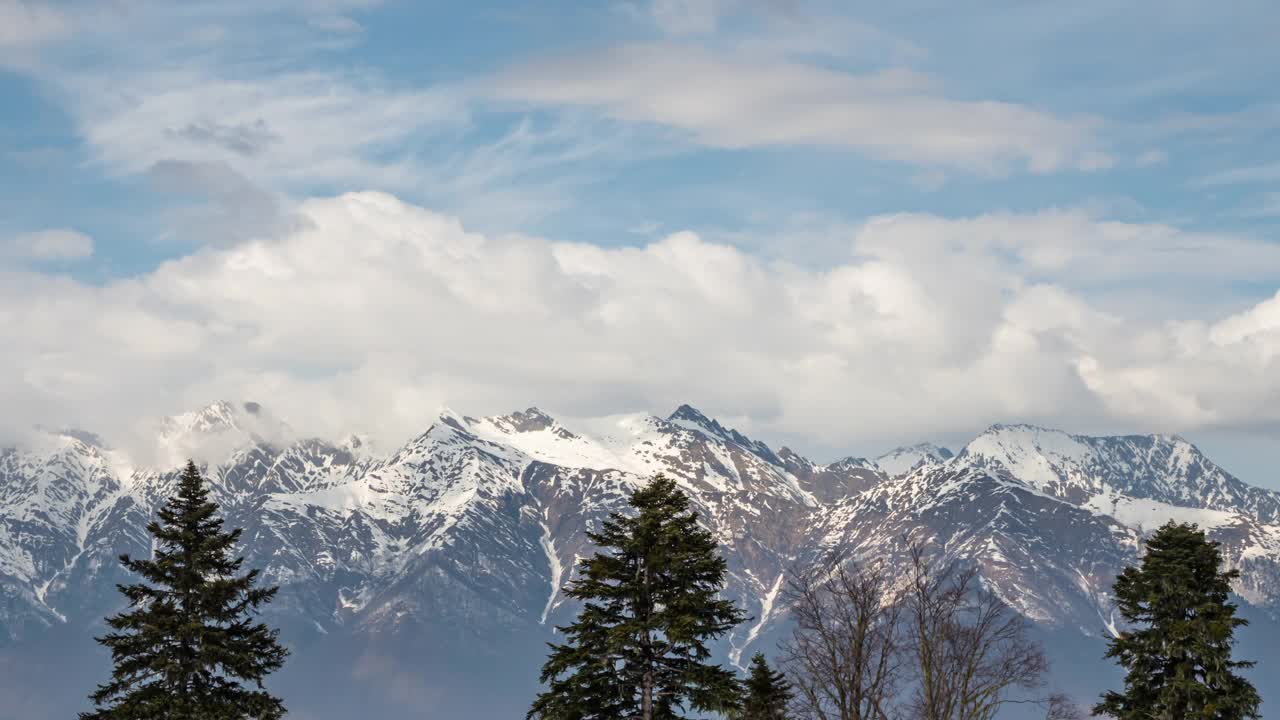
638	648
188	647
1178	656
768	694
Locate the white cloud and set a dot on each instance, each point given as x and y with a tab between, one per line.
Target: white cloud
236	208
373	312
200	105
24	23
48	245
189	83
288	129
735	101
1077	248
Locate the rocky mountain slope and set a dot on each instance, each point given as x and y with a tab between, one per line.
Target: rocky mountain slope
467	534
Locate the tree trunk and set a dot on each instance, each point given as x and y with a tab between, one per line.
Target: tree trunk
646	697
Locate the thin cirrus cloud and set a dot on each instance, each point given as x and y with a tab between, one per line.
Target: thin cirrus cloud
59	244
1243	176
288	128
702	17
374	312
735	101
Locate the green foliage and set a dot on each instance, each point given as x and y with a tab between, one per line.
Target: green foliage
651	602
1178	657
188	647
768	692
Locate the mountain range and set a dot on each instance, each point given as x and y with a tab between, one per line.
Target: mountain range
423	581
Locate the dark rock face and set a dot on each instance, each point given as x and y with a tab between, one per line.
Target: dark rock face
455	548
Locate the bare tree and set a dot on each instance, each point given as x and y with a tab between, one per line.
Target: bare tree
843	657
1060	707
972	653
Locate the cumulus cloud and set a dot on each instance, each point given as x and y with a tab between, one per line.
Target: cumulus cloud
48	245
373	313
737	101
235	208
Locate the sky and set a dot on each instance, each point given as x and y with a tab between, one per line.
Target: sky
840	226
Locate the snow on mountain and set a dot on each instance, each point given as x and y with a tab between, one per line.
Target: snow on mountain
53	495
542	438
1075	468
903	460
689	417
218	429
472	529
1146	515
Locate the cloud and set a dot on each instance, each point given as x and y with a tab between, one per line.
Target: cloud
779	28
242	139
287	129
235	209
1266	206
1243	176
199	110
188	82
25	24
735	101
702	17
689	17
1077	248
183	98
1151	158
374	312
48	245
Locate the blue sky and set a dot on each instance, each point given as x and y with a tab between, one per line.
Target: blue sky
1177	96
933	176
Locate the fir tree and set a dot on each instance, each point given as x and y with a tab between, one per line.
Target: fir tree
639	646
188	646
1178	657
768	692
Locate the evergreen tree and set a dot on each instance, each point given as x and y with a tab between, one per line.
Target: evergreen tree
1178	657
188	648
639	646
768	692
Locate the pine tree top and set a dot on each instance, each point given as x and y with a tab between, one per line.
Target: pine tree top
1177	648
768	694
188	646
651	602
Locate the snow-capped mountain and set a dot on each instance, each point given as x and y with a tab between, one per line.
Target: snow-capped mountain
464	537
903	460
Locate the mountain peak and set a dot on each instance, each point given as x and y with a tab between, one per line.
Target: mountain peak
905	459
448	416
215	417
219	415
1011	441
691	418
997	428
531	419
692	414
217	428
